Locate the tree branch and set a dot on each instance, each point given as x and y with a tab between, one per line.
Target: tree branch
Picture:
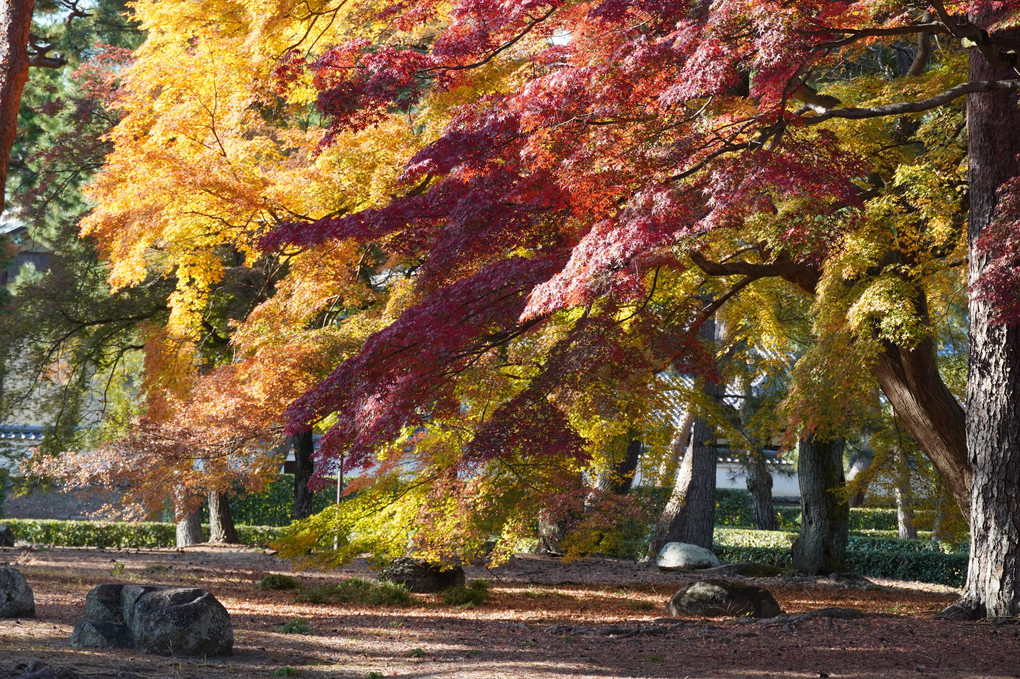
914	106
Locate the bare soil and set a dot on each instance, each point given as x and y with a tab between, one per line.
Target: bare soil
593	618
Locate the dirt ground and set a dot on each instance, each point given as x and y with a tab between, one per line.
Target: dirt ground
595	618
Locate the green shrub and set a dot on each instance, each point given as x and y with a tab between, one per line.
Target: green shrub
116	534
900	559
355	590
295	626
287	672
276	581
475	593
733	507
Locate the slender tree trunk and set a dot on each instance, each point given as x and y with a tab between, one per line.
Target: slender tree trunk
189	529
913	385
904	498
825	519
15	25
993	379
858	465
759	486
620	478
689	515
304	446
221	521
677	447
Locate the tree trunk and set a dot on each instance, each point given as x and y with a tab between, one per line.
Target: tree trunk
825	519
304	446
15	25
221	521
858	465
993	379
904	498
677	447
913	385
189	529
620	478
759	486
689	516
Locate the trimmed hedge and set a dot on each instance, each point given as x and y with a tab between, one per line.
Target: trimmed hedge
273	506
861	518
900	559
118	534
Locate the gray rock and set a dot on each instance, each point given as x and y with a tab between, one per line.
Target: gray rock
721	598
178	621
6	536
35	670
421	576
681	556
103	604
97	635
16	599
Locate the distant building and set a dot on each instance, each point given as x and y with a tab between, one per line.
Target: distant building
28	252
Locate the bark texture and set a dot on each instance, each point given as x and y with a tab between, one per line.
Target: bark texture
304	446
221	521
993	381
189	530
911	381
689	515
620	478
825	518
906	528
759	487
15	25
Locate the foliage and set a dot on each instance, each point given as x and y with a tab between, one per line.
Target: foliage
278	581
357	591
295	626
116	534
475	593
899	559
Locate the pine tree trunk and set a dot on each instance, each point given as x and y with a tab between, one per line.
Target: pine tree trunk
189	529
993	380
221	521
825	519
15	25
759	486
904	498
689	515
304	446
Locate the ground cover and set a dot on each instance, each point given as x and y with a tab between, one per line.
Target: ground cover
591	618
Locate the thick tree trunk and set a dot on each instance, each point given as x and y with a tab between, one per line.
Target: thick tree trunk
189	529
825	518
15	25
904	498
689	515
304	446
221	521
759	486
993	380
913	385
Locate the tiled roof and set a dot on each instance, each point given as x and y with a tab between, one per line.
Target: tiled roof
19	432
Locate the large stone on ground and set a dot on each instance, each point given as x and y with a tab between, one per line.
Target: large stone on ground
16	599
421	576
6	536
681	556
155	619
97	635
180	621
722	598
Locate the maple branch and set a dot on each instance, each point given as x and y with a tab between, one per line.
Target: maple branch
914	106
856	34
502	48
802	275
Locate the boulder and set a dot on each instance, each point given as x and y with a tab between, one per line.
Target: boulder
6	536
722	598
16	599
681	556
97	635
422	577
180	621
155	619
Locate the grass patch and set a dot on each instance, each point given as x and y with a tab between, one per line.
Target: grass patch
275	581
642	605
295	626
416	653
357	591
475	593
287	672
